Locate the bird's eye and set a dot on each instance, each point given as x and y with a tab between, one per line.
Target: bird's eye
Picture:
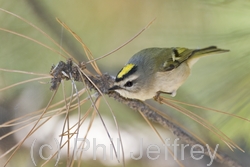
128	84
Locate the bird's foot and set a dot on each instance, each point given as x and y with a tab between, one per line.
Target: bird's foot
158	98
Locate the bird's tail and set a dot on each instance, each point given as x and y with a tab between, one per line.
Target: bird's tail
208	50
198	53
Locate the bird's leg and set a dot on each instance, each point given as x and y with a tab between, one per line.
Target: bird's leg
159	99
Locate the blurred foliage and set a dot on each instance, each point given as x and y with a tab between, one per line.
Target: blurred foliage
220	81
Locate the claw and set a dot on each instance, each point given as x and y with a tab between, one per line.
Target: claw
158	98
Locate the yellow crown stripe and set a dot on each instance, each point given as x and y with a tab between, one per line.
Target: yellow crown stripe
125	70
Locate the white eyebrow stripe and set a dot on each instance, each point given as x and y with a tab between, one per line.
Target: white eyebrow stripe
131	78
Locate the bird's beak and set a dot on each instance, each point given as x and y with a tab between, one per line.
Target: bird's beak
115	87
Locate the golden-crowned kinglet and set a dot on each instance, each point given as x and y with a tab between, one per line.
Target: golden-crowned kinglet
157	70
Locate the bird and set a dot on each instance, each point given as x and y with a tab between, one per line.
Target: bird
153	71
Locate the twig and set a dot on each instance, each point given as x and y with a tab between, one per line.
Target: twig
105	81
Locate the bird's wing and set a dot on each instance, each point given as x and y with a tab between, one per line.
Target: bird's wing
177	56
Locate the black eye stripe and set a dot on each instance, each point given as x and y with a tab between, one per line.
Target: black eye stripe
128	84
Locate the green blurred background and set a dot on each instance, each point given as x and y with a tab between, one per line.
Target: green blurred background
220	82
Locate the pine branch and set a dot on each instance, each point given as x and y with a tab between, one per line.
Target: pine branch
105	81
